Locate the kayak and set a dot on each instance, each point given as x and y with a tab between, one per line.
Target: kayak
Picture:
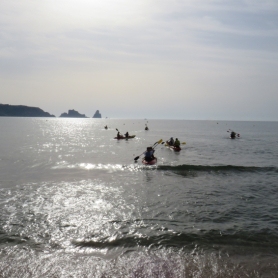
151	162
235	137
175	149
123	137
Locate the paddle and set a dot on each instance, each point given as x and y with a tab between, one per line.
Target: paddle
153	146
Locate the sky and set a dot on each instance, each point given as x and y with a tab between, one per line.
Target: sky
153	59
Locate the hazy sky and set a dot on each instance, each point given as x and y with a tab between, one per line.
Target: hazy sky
178	59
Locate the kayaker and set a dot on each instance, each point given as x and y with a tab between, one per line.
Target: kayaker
149	154
233	134
171	141
106	127
127	134
119	135
177	143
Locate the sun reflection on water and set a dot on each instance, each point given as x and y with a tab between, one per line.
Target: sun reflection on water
72	215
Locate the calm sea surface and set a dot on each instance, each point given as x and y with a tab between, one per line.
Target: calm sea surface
73	203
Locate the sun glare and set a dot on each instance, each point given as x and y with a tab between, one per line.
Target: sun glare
100	12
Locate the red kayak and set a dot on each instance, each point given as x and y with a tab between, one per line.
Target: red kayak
123	137
174	148
151	162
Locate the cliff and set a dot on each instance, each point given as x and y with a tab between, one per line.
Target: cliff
97	114
73	114
7	110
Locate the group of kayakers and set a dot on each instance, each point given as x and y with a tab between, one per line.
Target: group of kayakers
149	153
149	157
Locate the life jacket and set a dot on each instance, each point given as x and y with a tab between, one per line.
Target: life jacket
149	155
177	143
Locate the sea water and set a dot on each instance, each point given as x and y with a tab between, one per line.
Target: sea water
75	203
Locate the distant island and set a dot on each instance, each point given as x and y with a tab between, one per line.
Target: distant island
97	114
72	114
7	110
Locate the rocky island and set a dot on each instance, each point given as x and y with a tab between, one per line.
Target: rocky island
7	110
72	114
97	114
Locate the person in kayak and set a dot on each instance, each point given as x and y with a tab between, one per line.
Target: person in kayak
127	134
149	154
171	141
119	135
233	134
177	143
